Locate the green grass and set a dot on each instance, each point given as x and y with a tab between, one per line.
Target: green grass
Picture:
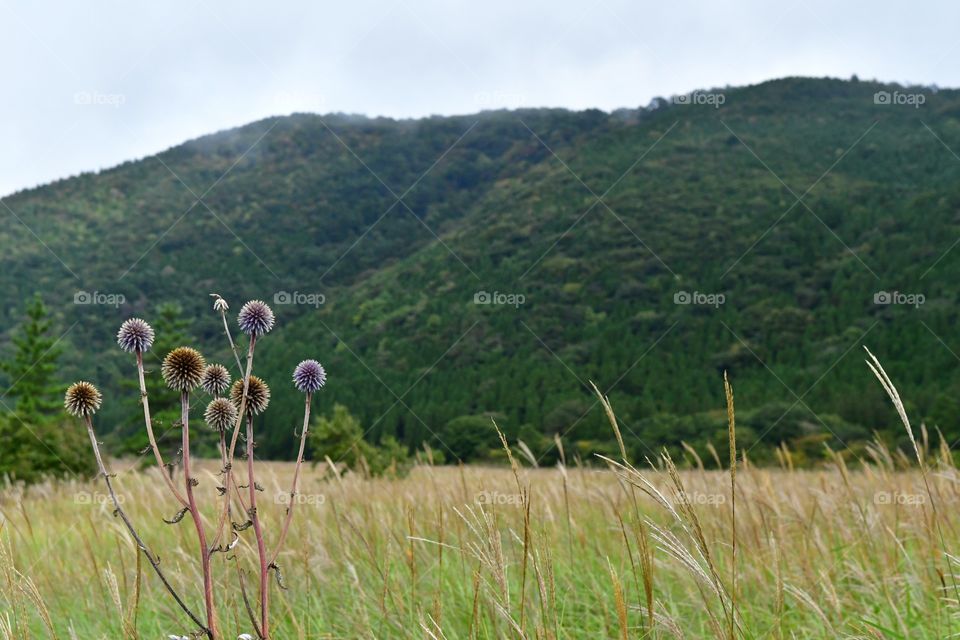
819	555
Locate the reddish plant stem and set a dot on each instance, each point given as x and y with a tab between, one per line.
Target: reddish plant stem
195	514
228	467
258	532
154	561
296	477
153	440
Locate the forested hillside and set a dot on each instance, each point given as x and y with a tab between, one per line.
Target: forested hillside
781	212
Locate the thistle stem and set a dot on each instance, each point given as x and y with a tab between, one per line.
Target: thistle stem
296	476
230	451
144	400
258	532
195	514
154	561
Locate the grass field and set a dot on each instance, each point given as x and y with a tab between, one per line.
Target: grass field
441	554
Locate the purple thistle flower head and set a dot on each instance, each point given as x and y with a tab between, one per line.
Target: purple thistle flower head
82	399
215	380
255	318
309	376
135	335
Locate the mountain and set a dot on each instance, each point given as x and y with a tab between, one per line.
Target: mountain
769	231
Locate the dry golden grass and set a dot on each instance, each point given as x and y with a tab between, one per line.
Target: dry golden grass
490	553
857	549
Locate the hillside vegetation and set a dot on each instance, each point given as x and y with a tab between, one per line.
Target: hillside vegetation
786	209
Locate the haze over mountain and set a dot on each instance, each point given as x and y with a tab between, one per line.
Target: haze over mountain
769	231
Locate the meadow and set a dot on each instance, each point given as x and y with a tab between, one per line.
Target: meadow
577	551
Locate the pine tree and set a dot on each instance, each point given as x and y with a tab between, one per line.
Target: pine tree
32	370
37	438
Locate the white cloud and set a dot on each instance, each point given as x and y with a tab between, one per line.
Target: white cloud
151	76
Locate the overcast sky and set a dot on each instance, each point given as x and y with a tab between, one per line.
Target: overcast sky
87	85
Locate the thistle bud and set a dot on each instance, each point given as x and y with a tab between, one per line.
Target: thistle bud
82	399
255	318
309	376
220	414
135	335
215	380
258	395
183	368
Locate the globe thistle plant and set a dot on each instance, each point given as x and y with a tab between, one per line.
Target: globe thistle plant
258	395
255	318
135	336
220	414
309	376
82	399
183	368
215	380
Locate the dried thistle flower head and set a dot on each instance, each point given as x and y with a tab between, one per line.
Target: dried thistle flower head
255	318
309	376
82	399
135	335
220	415
258	395
215	380
182	369
219	304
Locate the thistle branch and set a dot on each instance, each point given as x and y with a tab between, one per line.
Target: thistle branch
154	561
195	514
144	400
296	476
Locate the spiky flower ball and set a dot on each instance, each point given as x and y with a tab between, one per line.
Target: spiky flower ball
215	380
220	414
309	376
135	335
255	318
82	399
182	369
258	395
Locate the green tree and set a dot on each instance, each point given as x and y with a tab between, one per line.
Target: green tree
38	440
33	367
340	438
